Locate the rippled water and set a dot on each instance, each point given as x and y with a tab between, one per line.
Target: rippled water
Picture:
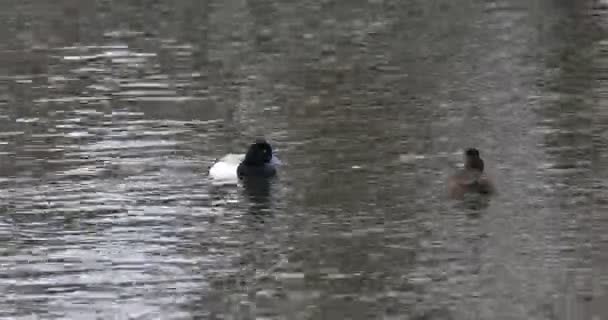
111	113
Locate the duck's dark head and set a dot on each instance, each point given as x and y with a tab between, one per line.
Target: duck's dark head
472	160
258	154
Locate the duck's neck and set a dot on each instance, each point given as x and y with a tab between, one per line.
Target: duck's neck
474	164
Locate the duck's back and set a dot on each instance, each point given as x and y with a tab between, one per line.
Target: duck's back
468	181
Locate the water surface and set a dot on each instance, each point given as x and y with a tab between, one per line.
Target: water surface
111	113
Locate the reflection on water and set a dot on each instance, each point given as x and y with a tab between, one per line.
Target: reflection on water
111	113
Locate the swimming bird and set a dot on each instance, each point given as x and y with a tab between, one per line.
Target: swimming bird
257	162
471	179
232	167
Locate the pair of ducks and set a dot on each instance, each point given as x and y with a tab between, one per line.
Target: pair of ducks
258	162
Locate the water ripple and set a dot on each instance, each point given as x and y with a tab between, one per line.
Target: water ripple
112	114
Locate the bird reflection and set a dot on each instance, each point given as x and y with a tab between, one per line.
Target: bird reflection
257	191
475	203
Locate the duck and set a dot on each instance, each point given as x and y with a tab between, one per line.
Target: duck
234	167
258	161
471	179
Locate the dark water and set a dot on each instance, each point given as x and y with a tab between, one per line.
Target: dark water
111	113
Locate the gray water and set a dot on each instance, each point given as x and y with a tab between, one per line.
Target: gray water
111	113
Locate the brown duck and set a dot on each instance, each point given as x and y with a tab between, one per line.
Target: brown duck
471	179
